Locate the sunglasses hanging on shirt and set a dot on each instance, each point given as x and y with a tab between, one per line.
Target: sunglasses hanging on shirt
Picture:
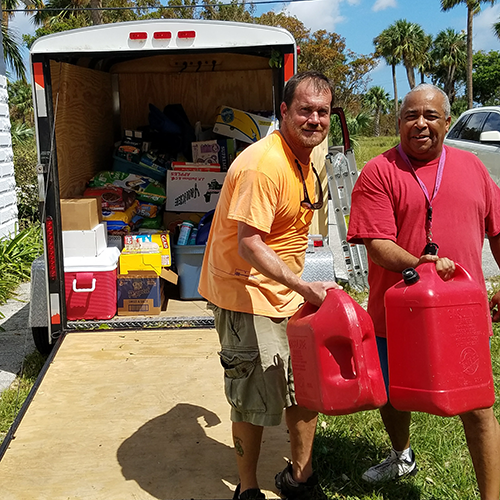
306	202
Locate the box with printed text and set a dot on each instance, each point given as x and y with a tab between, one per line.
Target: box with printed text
241	125
189	191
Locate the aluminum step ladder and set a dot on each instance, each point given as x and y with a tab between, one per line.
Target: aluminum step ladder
342	174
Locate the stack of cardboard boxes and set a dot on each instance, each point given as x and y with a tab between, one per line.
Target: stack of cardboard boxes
122	273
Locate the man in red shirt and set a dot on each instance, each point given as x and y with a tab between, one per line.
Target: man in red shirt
404	199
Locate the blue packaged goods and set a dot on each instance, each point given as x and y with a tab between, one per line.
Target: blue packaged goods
139	293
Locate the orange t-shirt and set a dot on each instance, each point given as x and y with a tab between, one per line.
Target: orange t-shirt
263	189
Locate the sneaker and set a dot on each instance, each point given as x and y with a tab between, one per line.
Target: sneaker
292	490
253	494
393	467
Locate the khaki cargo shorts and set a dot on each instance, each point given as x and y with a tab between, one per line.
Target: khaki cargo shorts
258	375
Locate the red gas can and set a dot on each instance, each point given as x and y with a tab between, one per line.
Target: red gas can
438	343
334	357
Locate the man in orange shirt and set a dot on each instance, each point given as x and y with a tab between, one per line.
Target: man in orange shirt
251	275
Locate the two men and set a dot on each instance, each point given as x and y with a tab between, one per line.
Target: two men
251	277
417	193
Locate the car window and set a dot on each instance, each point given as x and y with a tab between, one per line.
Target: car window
492	122
457	127
473	128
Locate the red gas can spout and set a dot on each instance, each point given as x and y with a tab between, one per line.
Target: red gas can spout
410	276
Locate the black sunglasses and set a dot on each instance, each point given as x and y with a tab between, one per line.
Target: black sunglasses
306	202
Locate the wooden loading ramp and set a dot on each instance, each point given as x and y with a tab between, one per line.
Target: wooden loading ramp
132	415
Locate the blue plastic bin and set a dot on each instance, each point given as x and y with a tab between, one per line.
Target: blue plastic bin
189	259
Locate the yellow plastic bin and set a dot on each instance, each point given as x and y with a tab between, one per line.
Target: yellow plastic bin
188	259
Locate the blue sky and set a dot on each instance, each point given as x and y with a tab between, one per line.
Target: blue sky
360	21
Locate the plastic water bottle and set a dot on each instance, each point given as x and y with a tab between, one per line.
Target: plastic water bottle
334	357
438	343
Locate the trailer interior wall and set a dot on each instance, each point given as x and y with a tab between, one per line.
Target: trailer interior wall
92	107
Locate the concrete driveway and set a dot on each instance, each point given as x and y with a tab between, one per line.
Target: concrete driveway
16	341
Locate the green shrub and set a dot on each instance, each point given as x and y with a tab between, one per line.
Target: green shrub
25	160
16	255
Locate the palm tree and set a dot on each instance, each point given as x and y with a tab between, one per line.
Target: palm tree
377	99
411	45
449	53
385	47
12	52
403	42
473	7
425	63
496	28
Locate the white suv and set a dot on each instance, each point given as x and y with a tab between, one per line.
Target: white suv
478	131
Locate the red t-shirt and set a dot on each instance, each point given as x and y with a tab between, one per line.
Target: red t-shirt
388	203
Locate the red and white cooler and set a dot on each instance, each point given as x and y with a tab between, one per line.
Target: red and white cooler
90	284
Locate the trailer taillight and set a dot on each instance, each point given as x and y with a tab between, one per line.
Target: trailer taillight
51	251
162	35
186	34
138	35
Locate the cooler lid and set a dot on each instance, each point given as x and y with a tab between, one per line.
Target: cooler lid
105	261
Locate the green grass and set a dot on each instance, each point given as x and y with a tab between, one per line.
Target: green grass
13	398
346	446
369	147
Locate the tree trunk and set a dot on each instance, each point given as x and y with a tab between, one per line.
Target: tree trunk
410	73
470	15
396	103
96	15
377	122
449	85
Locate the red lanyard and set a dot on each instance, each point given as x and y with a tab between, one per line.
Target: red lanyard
439	177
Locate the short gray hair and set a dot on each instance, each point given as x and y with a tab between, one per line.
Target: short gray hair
429	86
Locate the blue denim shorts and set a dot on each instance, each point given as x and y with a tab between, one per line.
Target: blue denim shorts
384	361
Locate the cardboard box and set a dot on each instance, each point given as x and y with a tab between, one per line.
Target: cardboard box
80	214
216	151
157	241
198	167
241	125
134	261
138	262
139	294
189	191
85	243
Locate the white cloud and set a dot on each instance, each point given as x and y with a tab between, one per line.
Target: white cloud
384	4
484	37
318	14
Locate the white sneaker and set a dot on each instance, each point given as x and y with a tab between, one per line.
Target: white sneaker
393	467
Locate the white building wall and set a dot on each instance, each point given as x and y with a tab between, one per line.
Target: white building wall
8	201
